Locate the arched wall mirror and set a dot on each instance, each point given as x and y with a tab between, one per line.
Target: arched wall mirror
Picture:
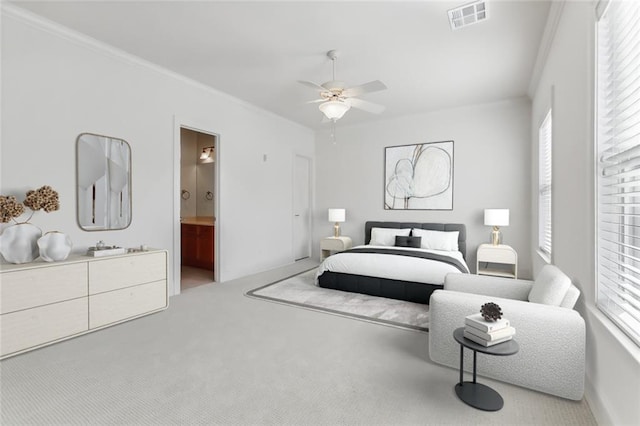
104	182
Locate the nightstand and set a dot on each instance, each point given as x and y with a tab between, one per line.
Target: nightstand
329	244
499	261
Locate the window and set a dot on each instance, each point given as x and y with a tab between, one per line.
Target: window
618	164
544	180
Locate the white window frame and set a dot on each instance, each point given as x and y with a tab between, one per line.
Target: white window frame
545	191
617	165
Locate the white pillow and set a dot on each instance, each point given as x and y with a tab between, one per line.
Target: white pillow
437	240
550	286
387	236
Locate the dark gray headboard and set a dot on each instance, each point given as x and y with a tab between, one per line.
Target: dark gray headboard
462	229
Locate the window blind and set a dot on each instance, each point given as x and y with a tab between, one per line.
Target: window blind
618	164
544	178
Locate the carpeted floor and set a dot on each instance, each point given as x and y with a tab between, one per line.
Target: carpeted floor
217	357
300	291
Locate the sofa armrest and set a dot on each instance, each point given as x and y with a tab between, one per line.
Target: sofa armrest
489	286
552	340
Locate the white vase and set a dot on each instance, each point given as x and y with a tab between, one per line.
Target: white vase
19	243
54	246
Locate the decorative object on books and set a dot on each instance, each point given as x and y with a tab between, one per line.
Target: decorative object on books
419	176
19	243
54	246
491	311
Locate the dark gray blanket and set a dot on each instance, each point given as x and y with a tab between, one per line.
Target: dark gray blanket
410	253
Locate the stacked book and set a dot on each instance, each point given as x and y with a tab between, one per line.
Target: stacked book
487	333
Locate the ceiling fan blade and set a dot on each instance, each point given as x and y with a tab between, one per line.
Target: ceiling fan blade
315	101
365	105
372	86
312	85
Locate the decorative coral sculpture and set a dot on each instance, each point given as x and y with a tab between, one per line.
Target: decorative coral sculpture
491	311
44	198
10	208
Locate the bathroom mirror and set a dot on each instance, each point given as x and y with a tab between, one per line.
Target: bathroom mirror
103	182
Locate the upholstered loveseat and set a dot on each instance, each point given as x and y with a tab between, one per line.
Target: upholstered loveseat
550	332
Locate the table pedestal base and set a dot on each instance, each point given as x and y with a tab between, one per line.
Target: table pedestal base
479	396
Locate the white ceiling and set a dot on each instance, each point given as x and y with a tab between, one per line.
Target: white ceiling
257	51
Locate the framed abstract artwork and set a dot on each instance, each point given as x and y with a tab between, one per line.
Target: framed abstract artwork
419	176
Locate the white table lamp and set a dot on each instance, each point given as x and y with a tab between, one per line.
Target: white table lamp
496	218
336	216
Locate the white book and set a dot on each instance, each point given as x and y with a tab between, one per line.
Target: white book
483	342
477	321
494	335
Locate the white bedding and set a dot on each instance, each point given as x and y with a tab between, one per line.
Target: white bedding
396	267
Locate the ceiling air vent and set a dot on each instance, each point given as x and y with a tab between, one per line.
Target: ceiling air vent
467	15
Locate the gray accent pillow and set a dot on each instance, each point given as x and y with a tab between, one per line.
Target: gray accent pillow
403	241
550	286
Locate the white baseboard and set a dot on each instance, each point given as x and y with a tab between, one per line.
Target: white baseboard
597	406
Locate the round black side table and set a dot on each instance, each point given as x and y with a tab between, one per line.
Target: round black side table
476	394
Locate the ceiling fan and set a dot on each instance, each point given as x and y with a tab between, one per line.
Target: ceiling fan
336	99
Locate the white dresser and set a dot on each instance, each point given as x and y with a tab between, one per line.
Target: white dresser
42	303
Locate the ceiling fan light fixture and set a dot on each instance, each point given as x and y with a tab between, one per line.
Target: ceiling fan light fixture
334	110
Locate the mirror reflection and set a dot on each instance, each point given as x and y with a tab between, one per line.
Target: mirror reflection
104	182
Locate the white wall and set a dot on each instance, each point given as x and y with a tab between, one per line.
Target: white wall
491	170
55	85
613	361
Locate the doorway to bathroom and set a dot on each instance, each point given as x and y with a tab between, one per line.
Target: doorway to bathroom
198	204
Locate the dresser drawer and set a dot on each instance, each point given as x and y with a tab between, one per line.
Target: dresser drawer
119	305
29	288
121	272
38	326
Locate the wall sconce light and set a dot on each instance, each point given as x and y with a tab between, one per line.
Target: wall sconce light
206	153
336	216
496	218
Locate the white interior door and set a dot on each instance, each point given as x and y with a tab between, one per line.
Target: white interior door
301	207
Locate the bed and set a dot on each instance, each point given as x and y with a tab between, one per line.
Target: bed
410	267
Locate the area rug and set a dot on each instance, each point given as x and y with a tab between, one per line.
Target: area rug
301	291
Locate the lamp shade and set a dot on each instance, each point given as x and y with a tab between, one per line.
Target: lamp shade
337	215
496	217
334	110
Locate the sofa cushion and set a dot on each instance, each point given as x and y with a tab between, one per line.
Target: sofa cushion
550	286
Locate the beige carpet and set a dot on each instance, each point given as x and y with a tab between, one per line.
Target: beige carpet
217	357
301	291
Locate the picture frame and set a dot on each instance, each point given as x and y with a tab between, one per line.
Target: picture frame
419	176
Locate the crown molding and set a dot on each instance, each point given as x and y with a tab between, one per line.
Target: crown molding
553	19
58	30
